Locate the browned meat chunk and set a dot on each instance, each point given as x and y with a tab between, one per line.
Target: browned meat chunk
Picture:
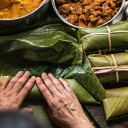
73	19
100	22
88	2
65	10
99	2
76	8
60	2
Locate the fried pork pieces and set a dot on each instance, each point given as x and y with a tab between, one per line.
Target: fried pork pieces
88	13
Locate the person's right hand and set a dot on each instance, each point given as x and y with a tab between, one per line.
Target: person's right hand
64	108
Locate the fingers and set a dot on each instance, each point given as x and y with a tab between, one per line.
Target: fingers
57	83
26	89
4	83
19	85
44	90
49	84
14	80
65	84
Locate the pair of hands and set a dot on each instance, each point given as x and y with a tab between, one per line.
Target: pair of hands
63	106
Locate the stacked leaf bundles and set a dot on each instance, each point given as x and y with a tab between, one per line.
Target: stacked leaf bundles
110	68
52	48
106	39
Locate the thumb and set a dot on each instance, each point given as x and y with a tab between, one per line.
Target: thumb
27	110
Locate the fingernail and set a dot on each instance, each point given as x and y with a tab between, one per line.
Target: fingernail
33	77
43	75
50	74
6	77
37	79
27	72
20	73
60	78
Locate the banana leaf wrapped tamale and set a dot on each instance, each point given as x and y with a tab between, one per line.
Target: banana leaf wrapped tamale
106	39
53	43
116	103
82	74
110	68
82	95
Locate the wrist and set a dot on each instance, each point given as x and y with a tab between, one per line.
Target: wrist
82	123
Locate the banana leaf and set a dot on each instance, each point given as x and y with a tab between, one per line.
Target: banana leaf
82	95
53	43
100	43
82	74
98	60
116	103
40	112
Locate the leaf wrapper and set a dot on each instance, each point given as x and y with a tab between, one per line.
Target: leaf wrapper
116	103
53	43
82	95
97	60
82	74
100	43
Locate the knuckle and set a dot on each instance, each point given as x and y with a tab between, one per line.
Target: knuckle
13	81
52	104
26	89
31	81
20	82
58	84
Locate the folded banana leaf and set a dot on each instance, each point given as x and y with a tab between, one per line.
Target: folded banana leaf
82	74
116	103
82	95
107	64
98	41
53	43
40	112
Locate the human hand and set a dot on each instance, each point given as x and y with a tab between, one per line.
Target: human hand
13	93
63	106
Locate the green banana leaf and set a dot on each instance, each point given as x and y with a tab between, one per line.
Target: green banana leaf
82	74
53	43
98	60
100	43
40	112
116	103
82	95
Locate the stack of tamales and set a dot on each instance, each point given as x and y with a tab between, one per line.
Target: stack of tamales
106	48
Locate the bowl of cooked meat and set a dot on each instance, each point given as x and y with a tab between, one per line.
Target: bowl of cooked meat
87	13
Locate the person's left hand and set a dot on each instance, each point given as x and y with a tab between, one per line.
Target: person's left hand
13	93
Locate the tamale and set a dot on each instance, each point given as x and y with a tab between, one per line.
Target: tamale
116	103
82	74
83	96
106	39
106	62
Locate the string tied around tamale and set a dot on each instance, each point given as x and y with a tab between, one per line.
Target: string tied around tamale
111	68
109	39
115	63
109	36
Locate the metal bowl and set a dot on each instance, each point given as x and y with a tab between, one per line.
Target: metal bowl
74	26
26	20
